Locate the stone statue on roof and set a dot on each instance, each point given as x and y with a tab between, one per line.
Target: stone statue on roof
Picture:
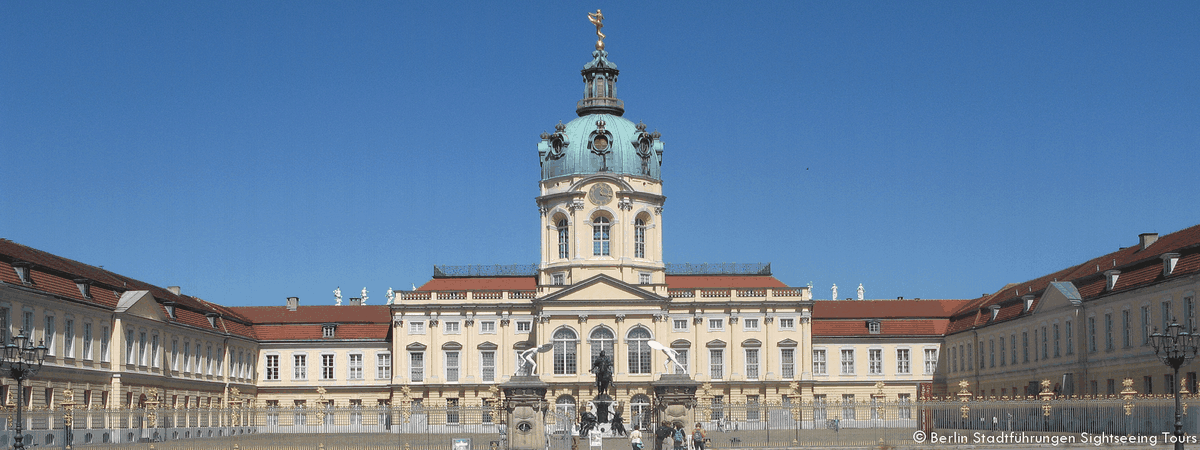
391	295
364	296
834	292
597	19
860	291
337	295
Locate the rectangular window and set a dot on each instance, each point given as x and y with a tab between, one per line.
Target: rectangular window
1091	323
1056	340
681	354
600	238
931	356
787	324
1013	339
1024	346
819	413
716	324
1166	315
299	367
1045	344
208	360
1189	313
1109	344
356	366
1145	325
48	335
154	360
416	327
196	361
142	348
452	367
1003	352
487	366
847	362
716	364
903	364
875	361
873	327
129	343
327	367
679	324
953	359
328	331
524	326
753	411
417	366
4	338
220	359
905	406
752	364
272	367
87	340
1070	338
69	338
848	412
1126	335
644	277
383	366
558	279
991	353
452	327
28	324
487	327
750	324
787	363
819	362
187	357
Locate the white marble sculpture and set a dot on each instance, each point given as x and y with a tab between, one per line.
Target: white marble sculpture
337	295
672	357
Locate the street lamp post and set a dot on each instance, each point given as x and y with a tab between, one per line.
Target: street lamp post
1176	347
22	360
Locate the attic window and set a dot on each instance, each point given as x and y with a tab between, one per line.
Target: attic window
212	319
170	307
22	269
1110	277
1169	261
328	329
1028	302
995	309
873	326
85	287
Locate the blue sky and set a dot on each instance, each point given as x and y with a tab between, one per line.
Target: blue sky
251	151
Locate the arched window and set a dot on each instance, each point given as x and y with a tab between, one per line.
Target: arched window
600	228
639	350
640	412
602	339
564	411
639	238
564	247
565	355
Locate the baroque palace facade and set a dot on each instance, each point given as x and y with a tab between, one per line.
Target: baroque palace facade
602	285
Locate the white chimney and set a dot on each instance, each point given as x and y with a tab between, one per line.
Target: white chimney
174	289
1110	277
1147	239
1169	261
293	303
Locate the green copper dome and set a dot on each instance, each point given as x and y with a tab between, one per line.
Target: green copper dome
600	140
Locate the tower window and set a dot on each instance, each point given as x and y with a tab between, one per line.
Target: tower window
557	279
600	237
564	247
639	238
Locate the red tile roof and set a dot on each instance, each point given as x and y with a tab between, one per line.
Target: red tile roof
884	309
55	275
316	314
722	281
903	327
1138	268
313	331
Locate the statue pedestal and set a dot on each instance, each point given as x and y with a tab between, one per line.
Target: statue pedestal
525	403
674	396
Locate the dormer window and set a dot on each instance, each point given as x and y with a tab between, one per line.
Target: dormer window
212	319
1110	278
327	330
85	287
22	269
170	307
1169	261
873	326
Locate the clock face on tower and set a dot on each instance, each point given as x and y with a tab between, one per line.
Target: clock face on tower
600	194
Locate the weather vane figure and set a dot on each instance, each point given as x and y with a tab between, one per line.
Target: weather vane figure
598	20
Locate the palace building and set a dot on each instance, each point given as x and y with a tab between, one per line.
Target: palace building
602	284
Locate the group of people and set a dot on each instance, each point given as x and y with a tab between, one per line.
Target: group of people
676	433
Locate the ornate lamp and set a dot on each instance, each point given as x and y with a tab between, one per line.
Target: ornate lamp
22	360
1176	347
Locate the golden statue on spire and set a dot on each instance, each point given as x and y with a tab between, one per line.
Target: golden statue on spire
598	20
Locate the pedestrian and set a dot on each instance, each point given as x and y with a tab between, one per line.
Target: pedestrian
698	437
635	438
679	436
